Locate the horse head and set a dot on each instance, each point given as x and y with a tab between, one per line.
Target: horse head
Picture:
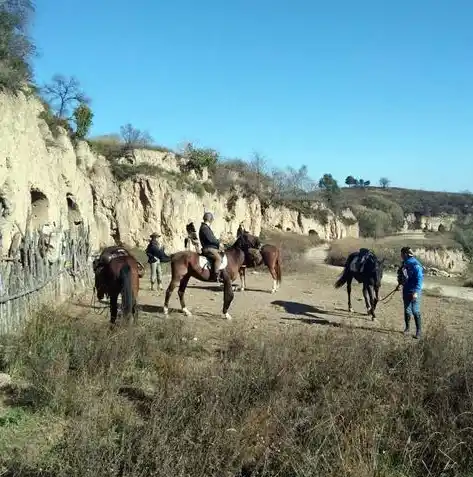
246	241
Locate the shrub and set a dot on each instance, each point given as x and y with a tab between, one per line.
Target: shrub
390	208
372	223
464	236
83	117
55	123
198	159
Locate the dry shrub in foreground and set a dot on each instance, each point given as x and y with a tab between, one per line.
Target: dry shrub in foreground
150	401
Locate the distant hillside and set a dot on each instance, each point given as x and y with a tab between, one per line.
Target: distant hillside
418	202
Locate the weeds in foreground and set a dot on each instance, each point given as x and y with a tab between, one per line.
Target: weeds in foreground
150	401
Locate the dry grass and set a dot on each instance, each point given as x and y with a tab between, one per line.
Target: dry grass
152	401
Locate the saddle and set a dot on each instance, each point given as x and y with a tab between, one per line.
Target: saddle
357	265
107	255
205	262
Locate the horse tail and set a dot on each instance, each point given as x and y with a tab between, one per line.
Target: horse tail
278	266
127	289
343	278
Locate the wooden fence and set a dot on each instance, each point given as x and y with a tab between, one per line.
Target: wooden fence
46	268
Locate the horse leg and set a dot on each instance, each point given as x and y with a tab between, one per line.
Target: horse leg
134	311
172	285
113	308
181	292
376	297
274	275
227	295
366	297
350	309
242	278
372	303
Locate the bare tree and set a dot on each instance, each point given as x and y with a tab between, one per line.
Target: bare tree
258	166
63	94
134	138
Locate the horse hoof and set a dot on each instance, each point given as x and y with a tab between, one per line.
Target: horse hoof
273	290
186	312
351	310
166	310
227	316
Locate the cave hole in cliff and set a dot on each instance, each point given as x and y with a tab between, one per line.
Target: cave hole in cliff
74	216
313	232
39	209
442	229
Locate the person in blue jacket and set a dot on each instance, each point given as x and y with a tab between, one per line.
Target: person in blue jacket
411	277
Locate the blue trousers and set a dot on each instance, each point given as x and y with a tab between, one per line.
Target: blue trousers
412	308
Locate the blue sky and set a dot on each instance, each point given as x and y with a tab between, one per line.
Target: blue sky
367	88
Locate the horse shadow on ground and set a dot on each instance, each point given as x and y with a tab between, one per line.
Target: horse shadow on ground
236	288
308	314
153	308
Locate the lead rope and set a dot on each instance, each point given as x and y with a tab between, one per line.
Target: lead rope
390	295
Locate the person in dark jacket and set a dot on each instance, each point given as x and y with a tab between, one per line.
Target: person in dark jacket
411	277
156	255
210	245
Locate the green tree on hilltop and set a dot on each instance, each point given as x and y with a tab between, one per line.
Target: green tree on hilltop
16	47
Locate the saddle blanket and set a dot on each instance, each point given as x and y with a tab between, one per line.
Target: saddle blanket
355	265
204	262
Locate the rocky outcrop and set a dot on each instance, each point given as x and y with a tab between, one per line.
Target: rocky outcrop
45	179
452	261
441	223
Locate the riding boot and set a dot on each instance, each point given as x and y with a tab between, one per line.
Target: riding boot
407	319
418	323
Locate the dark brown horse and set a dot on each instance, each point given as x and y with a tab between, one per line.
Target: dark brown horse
187	264
117	272
271	257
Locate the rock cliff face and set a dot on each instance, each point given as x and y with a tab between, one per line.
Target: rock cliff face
47	180
442	223
453	261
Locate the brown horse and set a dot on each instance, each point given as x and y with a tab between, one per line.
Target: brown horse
271	257
118	272
187	264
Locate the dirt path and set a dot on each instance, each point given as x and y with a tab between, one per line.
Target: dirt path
306	300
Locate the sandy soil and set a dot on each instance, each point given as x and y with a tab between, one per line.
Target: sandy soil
304	300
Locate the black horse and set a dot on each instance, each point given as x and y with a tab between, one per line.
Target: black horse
365	268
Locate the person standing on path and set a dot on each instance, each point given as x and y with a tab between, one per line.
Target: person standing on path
411	276
156	255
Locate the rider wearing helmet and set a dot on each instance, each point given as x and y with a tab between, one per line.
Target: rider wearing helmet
210	245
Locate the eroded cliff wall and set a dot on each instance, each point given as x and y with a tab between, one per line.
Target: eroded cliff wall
45	179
